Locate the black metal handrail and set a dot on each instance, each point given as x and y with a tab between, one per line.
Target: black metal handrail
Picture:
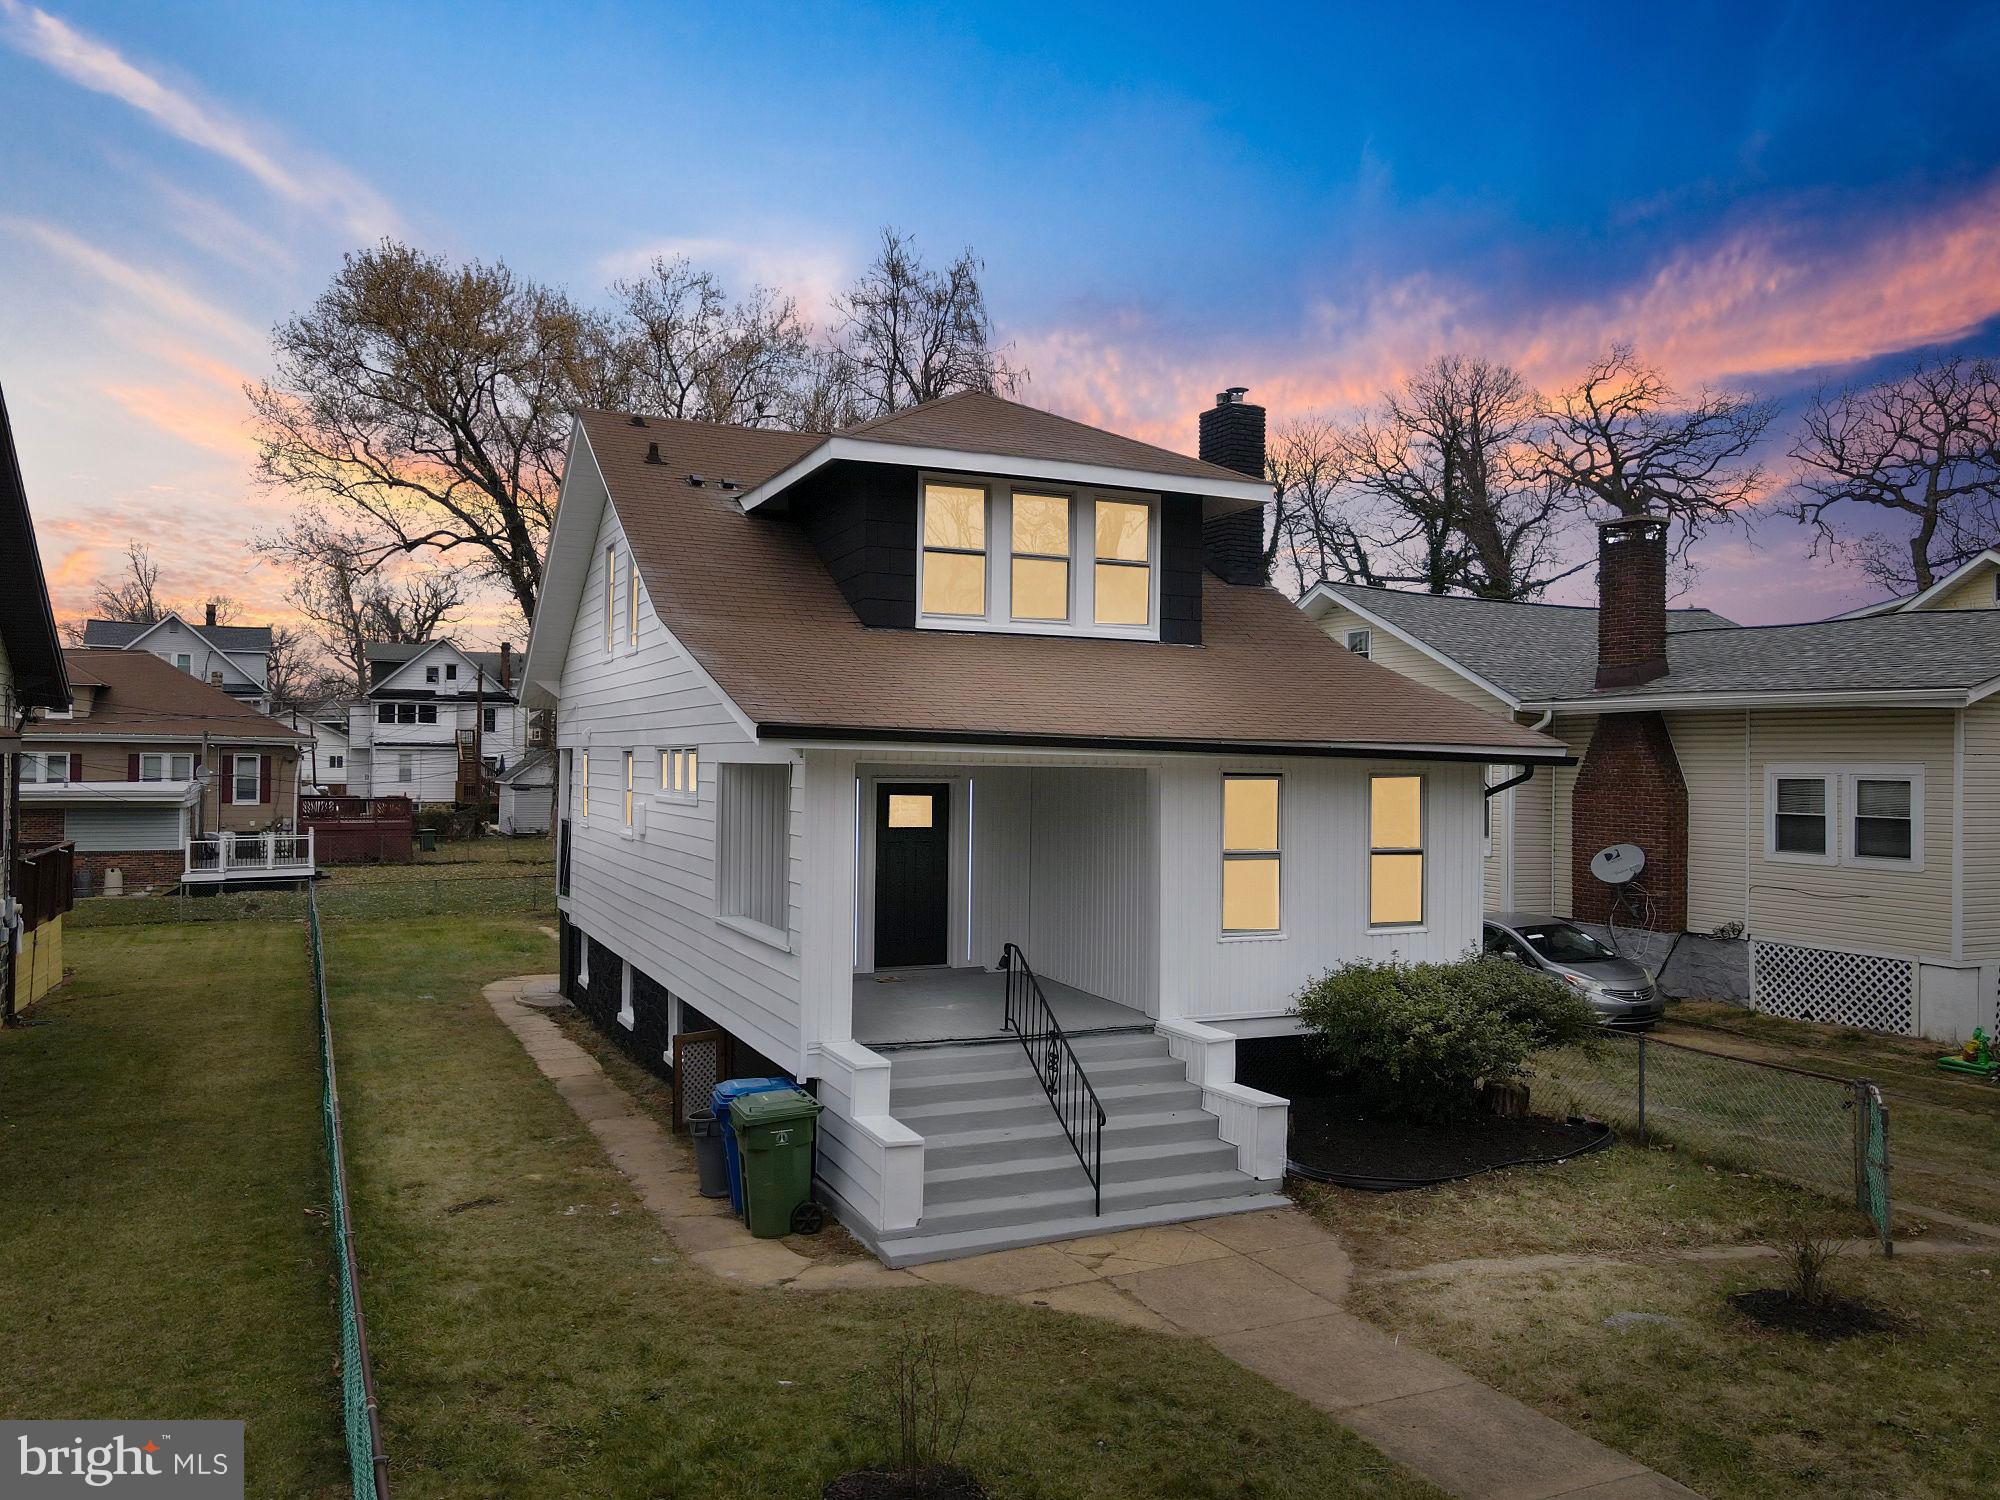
1054	1061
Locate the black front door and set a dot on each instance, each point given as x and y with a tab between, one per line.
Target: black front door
912	873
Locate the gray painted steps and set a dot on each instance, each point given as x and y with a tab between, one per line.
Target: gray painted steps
999	1171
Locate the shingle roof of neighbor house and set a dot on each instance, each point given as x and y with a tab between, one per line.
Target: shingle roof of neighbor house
749	598
402	651
140	696
248	638
1548	652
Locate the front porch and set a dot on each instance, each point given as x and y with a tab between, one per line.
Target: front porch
911	1007
216	858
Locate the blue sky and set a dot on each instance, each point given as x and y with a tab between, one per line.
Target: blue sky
1310	202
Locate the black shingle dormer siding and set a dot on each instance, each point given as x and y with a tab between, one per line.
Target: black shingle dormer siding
862	519
1180	570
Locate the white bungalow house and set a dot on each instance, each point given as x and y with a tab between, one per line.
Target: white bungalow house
846	719
437	723
1819	804
234	658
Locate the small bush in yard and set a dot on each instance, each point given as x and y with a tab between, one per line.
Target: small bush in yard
1415	1040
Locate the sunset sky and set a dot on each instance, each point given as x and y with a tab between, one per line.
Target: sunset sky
1308	202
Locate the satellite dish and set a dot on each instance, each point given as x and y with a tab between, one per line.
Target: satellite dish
1618	864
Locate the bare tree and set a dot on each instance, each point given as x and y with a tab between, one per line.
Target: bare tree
1313	532
1622	438
134	595
289	667
428	403
683	349
906	333
1925	446
349	602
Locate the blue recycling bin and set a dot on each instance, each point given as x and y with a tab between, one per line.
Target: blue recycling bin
727	1092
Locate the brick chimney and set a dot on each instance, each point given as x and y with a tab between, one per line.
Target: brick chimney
506	666
1232	435
1631	601
211	611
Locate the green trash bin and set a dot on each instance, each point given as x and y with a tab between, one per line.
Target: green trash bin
774	1141
427	840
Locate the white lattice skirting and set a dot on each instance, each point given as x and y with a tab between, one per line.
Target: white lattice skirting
1846	989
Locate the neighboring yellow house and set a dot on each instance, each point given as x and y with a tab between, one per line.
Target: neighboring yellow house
1833	848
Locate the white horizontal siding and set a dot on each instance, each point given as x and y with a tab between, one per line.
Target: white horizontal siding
122	830
1981	815
1711	748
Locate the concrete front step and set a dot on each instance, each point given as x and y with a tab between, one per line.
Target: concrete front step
918	1247
1012	1079
1075	1198
1030	1105
962	1148
1058	1170
920	1062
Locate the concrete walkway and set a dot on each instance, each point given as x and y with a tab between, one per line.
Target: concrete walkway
1263	1288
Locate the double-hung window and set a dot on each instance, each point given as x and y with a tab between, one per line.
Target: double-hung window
430	674
1884	817
1251	858
631	604
244	775
610	598
427	713
1361	642
954	550
165	767
451	671
406	768
1395	851
680	773
1040	578
184	661
1802	816
583	784
48	767
385	713
1845	815
628	788
1124	574
489	720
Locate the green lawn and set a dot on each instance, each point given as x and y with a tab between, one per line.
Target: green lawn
163	1240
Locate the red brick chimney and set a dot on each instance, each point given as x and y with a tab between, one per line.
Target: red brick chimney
507	665
1631	601
211	611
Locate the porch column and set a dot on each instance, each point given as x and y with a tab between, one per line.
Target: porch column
826	938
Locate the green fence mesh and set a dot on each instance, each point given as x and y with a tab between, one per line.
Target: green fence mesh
414	896
357	1383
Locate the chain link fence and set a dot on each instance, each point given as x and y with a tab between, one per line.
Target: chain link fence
418	896
366	1462
1811	1128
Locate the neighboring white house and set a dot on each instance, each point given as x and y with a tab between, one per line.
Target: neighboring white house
432	713
1819	803
326	758
842	719
235	658
528	793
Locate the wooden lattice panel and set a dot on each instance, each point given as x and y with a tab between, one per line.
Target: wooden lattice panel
701	1061
1845	989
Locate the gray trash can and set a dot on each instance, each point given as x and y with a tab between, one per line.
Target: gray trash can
710	1164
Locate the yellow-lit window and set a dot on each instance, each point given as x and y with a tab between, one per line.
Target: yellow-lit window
1124	574
954	550
1041	557
680	773
632	605
1395	851
910	809
583	785
1250	856
610	597
628	788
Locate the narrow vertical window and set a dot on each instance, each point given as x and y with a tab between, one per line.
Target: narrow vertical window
1250	854
632	605
628	788
1395	851
610	597
1124	575
954	558
583	786
1040	579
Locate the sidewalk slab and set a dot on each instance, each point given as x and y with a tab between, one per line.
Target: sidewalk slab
1338	1361
1216	1297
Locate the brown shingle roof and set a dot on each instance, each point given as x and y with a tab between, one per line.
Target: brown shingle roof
980	423
140	695
747	595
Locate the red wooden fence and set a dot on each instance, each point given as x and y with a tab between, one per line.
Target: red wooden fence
360	830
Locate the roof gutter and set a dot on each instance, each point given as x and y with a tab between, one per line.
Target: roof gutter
831	735
1867	698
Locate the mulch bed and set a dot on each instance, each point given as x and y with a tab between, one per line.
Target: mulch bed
1330	1141
1829	1319
945	1482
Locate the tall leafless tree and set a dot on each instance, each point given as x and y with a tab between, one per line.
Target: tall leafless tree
1924	446
1623	439
904	333
134	595
428	404
683	349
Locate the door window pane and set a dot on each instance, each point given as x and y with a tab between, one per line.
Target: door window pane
910	809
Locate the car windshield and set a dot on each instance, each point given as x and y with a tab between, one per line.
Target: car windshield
1561	943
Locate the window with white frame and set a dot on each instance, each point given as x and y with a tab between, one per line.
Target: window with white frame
1039	581
1866	815
489	720
632	604
336	762
628	788
1801	821
184	661
427	713
1064	562
610	597
583	785
1883	818
430	674
166	767
1395	851
244	777
1361	642
753	816
451	671
680	773
1252	862
49	767
406	768
954	551
385	713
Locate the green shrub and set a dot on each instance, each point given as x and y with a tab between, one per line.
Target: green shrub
1414	1040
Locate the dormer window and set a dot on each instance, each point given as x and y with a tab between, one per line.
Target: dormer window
1031	584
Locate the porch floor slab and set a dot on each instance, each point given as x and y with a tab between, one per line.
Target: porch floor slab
899	1007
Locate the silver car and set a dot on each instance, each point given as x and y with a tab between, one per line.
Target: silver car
1622	992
